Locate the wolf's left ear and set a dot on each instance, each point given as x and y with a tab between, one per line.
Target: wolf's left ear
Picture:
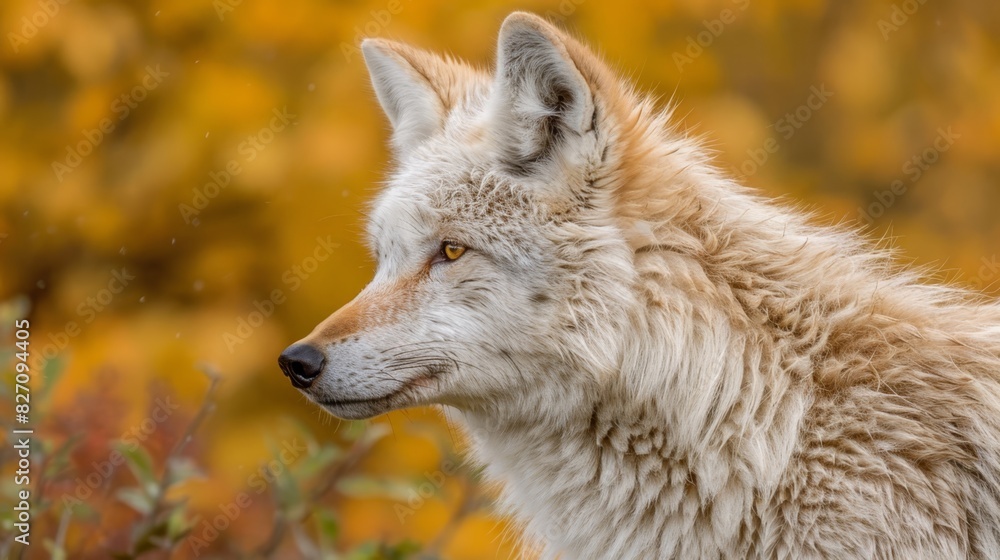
541	97
414	87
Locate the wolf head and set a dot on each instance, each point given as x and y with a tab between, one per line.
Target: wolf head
504	256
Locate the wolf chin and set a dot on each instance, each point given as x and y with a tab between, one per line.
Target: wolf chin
654	361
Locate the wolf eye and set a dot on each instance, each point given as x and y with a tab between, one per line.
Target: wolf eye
451	251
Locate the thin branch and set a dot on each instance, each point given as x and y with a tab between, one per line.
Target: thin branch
358	451
159	498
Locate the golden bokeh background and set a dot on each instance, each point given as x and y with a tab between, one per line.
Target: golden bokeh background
184	183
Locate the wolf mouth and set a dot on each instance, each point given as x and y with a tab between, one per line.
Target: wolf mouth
410	384
373	400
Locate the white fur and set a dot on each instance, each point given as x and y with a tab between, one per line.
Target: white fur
652	360
414	110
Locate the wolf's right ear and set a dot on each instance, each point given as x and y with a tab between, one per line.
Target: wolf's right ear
407	83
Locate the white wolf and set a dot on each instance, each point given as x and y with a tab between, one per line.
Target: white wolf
655	362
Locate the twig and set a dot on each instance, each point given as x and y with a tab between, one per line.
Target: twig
159	498
358	451
64	519
207	406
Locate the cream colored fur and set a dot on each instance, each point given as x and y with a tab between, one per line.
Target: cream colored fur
654	361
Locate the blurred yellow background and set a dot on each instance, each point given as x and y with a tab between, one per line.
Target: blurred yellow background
184	182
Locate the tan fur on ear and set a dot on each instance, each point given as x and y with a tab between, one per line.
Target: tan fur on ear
416	89
448	77
594	71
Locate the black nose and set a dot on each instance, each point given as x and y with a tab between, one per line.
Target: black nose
302	364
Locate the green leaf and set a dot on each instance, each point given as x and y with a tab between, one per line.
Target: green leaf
83	510
372	551
289	496
180	469
366	433
367	487
59	458
141	465
150	535
52	372
12	310
178	525
136	499
403	550
317	462
355	430
366	551
327	526
56	552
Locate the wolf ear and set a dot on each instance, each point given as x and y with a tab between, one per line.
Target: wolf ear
404	81
540	98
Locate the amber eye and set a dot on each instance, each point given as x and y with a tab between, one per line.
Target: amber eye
452	251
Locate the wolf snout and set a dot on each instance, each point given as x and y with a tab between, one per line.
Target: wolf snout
302	363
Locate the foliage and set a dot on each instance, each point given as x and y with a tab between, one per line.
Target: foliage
302	502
